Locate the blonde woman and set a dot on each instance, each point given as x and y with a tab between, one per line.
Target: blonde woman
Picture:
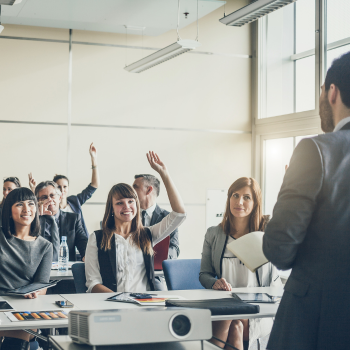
221	270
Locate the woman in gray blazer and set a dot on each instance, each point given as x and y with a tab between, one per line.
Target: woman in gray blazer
221	270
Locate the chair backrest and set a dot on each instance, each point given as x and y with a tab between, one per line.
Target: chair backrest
78	271
182	274
161	251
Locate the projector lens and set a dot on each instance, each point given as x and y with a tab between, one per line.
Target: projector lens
181	325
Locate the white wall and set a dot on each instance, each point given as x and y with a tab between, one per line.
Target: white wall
190	92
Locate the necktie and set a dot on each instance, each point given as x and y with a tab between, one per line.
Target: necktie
144	213
55	237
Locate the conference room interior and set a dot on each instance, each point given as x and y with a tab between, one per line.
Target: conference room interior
235	106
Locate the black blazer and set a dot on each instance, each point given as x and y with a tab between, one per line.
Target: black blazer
174	246
310	232
69	225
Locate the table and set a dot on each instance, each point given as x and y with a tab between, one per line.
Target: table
42	303
64	342
97	301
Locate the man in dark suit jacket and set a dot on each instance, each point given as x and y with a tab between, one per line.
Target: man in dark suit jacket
310	229
147	188
55	223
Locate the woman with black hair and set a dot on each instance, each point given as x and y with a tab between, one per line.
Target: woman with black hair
73	203
25	257
10	183
119	258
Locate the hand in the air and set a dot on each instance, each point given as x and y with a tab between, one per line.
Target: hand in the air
93	151
155	162
32	182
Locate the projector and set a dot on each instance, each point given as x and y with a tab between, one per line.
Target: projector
136	326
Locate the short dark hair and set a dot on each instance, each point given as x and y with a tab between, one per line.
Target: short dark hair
19	195
60	177
13	179
44	184
339	75
151	180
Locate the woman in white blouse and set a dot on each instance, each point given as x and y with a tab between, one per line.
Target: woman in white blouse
119	258
221	270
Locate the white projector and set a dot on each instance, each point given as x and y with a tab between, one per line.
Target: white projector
135	326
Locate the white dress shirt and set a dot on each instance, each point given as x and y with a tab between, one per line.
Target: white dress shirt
149	214
131	269
341	124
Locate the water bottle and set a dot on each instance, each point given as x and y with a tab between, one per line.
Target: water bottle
63	256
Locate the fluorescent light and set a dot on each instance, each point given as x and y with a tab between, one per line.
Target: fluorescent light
162	55
253	11
10	2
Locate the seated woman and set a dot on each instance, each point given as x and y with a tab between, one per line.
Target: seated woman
10	183
119	258
25	257
221	270
72	204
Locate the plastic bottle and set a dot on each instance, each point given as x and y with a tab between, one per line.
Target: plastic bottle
63	256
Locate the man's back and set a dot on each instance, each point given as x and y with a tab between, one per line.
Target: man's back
310	232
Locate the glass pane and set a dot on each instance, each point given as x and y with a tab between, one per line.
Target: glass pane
335	53
299	138
338	24
305	84
287	86
277	155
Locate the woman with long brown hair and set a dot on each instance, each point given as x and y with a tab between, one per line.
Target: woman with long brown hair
221	270
119	258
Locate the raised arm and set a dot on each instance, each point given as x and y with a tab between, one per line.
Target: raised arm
95	178
32	182
175	199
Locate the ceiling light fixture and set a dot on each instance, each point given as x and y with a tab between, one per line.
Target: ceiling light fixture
167	53
253	11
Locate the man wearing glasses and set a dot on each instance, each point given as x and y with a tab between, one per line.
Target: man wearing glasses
55	223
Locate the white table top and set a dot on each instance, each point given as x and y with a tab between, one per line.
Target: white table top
64	342
42	303
97	301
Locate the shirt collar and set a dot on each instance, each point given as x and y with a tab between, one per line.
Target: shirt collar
341	124
57	215
150	210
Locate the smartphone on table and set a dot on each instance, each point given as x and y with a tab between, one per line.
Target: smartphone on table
64	303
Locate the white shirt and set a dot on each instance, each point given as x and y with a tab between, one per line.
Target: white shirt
341	124
131	269
149	214
68	209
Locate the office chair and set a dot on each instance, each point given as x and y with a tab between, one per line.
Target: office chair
182	274
78	271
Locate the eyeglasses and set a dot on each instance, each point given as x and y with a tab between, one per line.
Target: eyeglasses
43	198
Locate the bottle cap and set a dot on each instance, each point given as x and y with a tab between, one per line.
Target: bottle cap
64	238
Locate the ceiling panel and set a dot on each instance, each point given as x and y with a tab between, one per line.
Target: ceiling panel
153	17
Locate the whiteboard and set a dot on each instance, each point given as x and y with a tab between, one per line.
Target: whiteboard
215	207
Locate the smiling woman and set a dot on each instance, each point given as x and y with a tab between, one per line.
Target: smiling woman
25	257
120	256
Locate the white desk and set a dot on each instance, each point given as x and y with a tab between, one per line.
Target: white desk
64	342
97	301
42	303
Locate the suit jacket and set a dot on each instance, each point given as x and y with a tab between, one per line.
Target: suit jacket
174	249
211	264
69	225
77	201
310	233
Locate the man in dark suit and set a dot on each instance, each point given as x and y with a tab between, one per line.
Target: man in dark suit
55	223
147	188
310	229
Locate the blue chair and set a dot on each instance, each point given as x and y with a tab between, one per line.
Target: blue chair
182	274
78	271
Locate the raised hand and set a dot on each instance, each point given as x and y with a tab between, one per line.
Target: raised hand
32	182
155	162
93	151
222	284
43	205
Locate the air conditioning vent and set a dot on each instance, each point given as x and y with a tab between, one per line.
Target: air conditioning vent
83	327
74	329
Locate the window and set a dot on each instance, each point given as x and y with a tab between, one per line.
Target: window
277	154
287	60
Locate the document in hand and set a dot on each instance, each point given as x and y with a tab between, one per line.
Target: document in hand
248	249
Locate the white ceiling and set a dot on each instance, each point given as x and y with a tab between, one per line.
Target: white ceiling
156	16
